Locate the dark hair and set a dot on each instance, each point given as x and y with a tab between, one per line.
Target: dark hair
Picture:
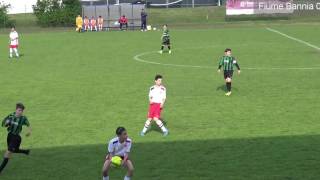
158	76
20	106
120	130
227	49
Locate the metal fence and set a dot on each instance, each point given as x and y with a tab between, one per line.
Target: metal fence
112	13
158	3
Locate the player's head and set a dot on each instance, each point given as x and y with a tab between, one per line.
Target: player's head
79	15
121	132
99	16
13	28
19	109
123	15
85	17
158	80
165	26
227	52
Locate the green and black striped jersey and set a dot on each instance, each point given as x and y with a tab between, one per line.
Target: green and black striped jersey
14	124
227	63
165	33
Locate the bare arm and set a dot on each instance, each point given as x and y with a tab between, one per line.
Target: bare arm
29	131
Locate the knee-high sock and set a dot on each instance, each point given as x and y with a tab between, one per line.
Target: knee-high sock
161	125
127	178
4	163
228	86
169	47
11	50
146	126
16	51
106	178
22	151
162	47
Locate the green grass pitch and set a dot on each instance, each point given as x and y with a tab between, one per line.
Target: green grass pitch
79	87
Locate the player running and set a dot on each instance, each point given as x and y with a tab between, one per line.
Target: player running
14	42
100	23
14	122
227	62
119	147
157	98
165	39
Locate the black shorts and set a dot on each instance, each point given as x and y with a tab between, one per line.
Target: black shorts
166	41
228	74
13	142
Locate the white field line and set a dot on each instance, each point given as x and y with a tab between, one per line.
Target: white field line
139	58
293	38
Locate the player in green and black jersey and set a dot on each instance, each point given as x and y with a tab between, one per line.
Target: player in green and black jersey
165	39
227	62
14	122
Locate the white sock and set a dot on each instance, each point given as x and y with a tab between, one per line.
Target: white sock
16	51
146	126
106	178
161	126
11	52
126	178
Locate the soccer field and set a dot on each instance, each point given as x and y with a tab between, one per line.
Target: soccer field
79	87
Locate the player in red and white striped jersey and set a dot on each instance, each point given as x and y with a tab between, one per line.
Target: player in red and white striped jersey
14	42
157	98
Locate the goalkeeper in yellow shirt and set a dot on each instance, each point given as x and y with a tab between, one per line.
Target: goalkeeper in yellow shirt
79	23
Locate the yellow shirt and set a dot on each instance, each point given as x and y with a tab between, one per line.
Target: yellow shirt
79	21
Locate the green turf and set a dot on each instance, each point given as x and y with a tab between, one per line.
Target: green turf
79	87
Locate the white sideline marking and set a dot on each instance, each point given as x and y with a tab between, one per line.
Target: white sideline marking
293	38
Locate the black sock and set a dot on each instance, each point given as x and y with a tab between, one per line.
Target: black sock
162	47
169	47
4	163
228	84
26	152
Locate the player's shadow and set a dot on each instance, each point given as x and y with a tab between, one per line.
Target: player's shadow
221	88
155	127
279	158
224	88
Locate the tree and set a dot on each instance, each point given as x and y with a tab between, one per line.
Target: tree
5	21
57	12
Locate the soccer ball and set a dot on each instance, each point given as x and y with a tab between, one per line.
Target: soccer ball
154	29
116	161
116	23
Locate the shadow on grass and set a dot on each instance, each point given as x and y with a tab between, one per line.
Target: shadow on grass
283	158
155	127
224	88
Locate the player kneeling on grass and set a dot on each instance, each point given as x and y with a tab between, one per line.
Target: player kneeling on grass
119	149
165	39
79	23
14	123
227	62
157	98
14	42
